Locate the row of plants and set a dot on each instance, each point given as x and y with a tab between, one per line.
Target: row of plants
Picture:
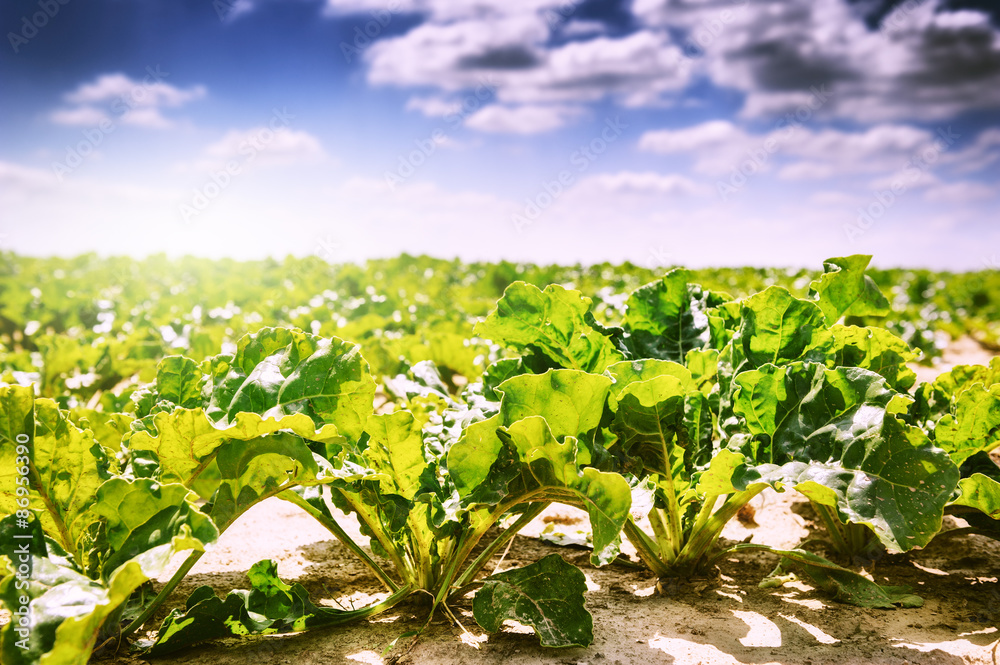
86	327
661	423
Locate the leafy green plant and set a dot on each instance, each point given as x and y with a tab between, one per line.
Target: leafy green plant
79	543
713	400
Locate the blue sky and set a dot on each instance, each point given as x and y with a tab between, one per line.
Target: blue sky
697	132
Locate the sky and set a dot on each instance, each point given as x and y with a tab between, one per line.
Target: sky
664	132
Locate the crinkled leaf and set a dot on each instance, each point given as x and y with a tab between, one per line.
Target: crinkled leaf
981	492
776	327
396	450
499	372
547	595
17	421
178	380
571	402
186	440
278	372
542	463
270	606
251	471
667	319
875	349
975	425
141	515
553	322
827	433
847	586
68	611
935	399
844	289
67	466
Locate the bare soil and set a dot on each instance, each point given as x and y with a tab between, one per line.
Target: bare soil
720	621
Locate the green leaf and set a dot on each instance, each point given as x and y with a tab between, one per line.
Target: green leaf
254	470
67	466
185	441
67	611
845	290
546	595
17	425
847	586
875	349
827	433
270	606
553	322
278	372
571	402
470	459
980	492
974	426
631	371
552	468
178	380
396	450
667	319
649	422
141	515
777	327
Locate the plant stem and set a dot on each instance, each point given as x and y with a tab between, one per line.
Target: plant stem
404	568
706	531
530	513
363	613
646	548
164	593
342	536
834	527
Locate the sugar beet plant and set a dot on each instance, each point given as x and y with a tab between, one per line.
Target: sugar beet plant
692	406
289	415
713	400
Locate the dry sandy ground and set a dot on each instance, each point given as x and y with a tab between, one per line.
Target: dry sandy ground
732	621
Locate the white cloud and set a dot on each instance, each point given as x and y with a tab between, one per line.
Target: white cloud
960	193
719	146
629	182
983	151
118	98
521	119
262	146
80	116
932	64
445	10
836	198
150	91
19	177
509	52
433	107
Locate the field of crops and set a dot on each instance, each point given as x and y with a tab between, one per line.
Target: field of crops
447	462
